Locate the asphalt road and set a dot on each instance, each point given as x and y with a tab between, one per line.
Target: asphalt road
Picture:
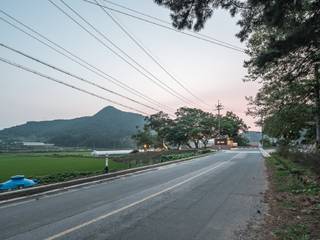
211	197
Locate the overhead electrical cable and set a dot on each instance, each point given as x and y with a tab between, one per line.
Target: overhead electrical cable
82	62
149	54
167	27
68	85
168	23
153	78
75	76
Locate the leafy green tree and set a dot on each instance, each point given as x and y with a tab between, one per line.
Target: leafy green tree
190	120
266	142
178	135
144	138
241	140
283	44
288	123
161	124
286	110
232	125
209	127
190	125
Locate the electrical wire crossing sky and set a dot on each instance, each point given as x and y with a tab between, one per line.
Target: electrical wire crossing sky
122	53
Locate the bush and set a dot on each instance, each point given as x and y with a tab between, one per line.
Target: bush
204	151
134	151
171	157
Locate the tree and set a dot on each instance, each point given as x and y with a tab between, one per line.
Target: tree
161	124
194	14
190	125
285	55
241	140
144	138
209	127
286	110
178	135
232	125
283	39
190	120
288	122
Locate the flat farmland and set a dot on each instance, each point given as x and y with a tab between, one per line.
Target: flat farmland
52	167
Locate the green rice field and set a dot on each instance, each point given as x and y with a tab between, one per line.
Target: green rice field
52	165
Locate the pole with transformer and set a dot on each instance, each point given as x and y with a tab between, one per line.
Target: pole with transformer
219	107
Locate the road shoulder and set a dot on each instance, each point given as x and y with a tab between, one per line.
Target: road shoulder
293	203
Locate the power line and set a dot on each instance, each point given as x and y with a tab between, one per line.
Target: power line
169	89
168	28
166	22
155	80
103	43
99	73
140	45
68	85
75	76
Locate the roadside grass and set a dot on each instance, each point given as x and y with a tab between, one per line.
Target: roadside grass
294	200
51	167
294	232
294	178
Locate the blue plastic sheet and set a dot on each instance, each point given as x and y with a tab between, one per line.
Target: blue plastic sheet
17	182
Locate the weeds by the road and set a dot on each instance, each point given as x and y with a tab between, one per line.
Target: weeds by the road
294	199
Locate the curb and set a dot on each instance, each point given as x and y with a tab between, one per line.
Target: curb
18	194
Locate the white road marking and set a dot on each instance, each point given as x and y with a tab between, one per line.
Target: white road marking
235	151
70	230
264	152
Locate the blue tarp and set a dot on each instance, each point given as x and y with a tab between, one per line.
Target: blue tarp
17	182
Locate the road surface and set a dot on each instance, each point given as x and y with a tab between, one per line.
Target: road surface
211	197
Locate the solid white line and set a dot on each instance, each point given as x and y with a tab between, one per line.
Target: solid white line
132	204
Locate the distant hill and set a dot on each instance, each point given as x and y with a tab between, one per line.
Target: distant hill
109	127
254	137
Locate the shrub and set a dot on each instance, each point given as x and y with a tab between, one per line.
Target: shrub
204	151
134	151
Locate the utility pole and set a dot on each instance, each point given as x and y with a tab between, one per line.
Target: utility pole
219	107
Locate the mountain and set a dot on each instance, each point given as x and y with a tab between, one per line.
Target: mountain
109	127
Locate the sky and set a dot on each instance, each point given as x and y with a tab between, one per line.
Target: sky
209	71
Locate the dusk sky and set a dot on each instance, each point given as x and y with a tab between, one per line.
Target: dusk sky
210	71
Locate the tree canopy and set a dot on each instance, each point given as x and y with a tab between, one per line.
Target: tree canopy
283	40
191	126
